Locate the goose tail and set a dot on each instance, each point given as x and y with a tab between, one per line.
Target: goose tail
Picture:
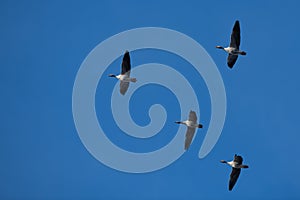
133	80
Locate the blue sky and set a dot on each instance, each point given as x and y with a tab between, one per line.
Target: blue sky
43	44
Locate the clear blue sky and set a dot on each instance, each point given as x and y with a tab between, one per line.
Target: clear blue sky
42	45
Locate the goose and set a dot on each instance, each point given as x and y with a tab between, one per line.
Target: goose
124	77
192	124
233	49
236	165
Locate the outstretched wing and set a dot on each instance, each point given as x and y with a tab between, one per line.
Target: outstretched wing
123	87
238	159
126	63
231	59
193	116
235	173
189	137
124	84
235	35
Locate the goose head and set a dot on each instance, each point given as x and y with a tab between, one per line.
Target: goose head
112	75
178	122
219	47
223	161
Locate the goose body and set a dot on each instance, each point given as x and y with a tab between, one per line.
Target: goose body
236	165
124	77
191	124
233	49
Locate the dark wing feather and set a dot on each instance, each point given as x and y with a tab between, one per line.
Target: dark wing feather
189	137
235	173
126	63
238	159
235	36
231	59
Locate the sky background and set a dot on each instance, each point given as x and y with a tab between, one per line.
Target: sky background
42	45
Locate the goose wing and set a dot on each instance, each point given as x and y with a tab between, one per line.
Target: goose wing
189	137
124	84
193	116
126	63
235	35
123	87
231	59
235	173
238	159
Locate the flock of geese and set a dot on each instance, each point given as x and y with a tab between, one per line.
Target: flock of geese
191	123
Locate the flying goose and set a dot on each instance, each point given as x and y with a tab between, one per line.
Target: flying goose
124	77
233	49
236	165
192	124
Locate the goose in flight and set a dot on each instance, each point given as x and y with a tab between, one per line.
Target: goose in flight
236	165
191	124
233	49
124	77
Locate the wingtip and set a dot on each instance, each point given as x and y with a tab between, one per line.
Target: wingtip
230	66
237	23
126	53
230	187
